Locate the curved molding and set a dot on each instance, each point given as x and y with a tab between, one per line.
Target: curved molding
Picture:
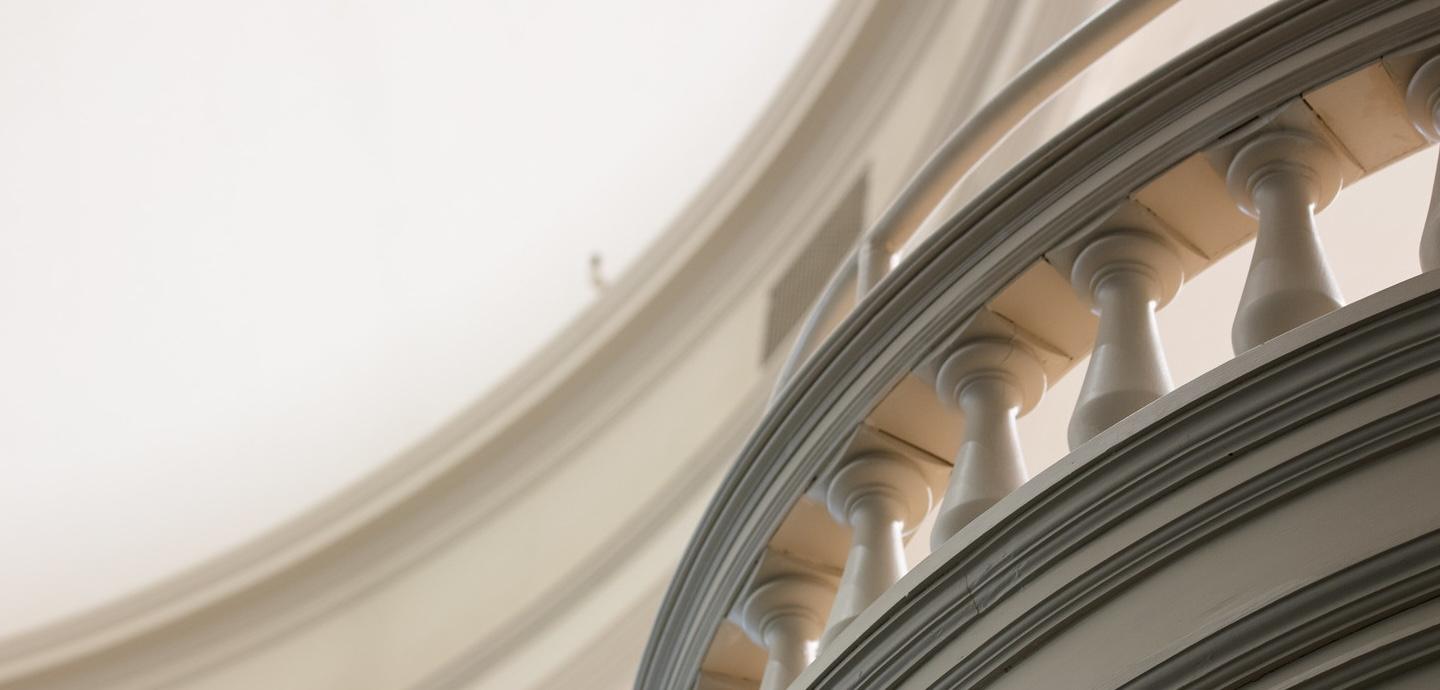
1307	619
1083	173
459	454
1413	649
687	486
1374	346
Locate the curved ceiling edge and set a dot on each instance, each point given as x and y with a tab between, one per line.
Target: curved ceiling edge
516	396
350	521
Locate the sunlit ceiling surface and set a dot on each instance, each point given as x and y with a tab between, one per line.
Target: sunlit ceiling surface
253	250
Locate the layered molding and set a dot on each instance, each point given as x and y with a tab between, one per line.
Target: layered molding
1053	195
687	486
1378	359
1403	644
1396	580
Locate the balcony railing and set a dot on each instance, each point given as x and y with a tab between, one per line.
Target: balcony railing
1070	254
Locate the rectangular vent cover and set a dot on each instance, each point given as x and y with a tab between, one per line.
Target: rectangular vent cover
795	293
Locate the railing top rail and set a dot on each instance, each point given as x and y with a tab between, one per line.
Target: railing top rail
966	146
1052	196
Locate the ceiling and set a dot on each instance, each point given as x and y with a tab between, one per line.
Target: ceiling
254	250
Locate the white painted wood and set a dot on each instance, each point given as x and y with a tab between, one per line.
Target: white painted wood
881	496
1033	212
1282	178
1126	275
1037	83
1228	542
1422	99
1430	235
783	615
993	382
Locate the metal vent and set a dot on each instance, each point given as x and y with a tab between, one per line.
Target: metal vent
796	291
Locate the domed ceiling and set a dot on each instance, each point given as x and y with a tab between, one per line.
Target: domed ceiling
254	250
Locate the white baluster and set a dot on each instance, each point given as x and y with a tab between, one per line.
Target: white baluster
993	382
783	615
1125	275
1423	101
1283	178
881	496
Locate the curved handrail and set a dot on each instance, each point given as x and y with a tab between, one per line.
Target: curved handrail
1035	85
1046	200
843	278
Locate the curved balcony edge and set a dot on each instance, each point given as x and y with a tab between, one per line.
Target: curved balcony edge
1052	196
1341	395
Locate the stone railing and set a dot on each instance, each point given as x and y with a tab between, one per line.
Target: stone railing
910	405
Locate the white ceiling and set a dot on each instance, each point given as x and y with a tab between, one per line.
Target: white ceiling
253	250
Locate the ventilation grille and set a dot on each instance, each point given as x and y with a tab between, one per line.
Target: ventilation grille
795	293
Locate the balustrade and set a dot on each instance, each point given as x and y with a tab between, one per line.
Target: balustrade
1123	270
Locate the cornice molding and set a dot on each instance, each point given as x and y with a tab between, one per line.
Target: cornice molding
1372	346
1079	176
687	486
1392	581
1239	415
1417	645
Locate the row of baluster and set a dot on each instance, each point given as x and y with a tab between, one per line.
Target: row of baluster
1281	177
